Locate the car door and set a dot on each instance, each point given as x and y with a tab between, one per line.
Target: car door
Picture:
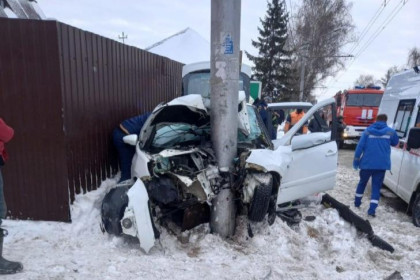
391	176
400	124
410	166
313	166
409	174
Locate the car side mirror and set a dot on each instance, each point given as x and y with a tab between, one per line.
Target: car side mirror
413	141
130	139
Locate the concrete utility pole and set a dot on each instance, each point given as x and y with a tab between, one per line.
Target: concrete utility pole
225	39
302	77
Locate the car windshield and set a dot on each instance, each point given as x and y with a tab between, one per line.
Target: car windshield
365	99
169	135
255	129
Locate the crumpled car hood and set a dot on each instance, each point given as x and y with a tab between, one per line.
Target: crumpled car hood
187	109
266	160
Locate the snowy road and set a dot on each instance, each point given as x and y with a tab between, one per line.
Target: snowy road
326	248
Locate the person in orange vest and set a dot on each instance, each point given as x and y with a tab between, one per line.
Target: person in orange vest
293	118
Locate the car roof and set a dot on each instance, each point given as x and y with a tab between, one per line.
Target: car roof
205	65
286	105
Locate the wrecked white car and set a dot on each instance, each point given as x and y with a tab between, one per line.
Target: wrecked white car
176	175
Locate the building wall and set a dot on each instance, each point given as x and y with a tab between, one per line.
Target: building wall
64	90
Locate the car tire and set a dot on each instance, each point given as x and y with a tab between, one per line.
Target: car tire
260	202
112	209
272	210
416	211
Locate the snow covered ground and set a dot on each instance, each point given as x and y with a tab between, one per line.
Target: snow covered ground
326	248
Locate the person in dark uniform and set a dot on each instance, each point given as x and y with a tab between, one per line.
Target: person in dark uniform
341	125
125	151
262	110
277	117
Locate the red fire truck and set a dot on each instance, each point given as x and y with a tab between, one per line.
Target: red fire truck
358	107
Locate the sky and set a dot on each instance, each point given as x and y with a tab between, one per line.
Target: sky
146	22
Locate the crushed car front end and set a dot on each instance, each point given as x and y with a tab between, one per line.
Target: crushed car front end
176	173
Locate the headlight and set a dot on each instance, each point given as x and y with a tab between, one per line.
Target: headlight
127	223
345	134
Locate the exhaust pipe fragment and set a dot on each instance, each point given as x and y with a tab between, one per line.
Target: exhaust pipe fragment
360	224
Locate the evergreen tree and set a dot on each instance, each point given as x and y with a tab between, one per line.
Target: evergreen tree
273	63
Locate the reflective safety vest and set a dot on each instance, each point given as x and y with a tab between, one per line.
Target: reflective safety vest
292	119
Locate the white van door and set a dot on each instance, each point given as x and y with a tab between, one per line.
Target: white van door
402	119
391	177
409	175
410	168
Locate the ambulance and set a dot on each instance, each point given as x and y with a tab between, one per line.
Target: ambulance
400	102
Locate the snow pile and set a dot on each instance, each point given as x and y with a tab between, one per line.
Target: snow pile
186	47
326	248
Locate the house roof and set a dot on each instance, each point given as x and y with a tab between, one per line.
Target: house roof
186	47
25	9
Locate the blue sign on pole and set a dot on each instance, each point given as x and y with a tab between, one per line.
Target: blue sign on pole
228	44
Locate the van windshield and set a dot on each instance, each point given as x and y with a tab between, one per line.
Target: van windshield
199	83
363	99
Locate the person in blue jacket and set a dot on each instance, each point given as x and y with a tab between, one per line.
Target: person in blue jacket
125	151
262	109
373	157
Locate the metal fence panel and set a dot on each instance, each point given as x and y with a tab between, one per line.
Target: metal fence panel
30	101
64	90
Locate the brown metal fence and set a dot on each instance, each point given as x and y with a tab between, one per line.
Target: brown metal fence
64	90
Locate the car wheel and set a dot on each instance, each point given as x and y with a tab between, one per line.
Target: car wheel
272	210
260	202
416	211
112	209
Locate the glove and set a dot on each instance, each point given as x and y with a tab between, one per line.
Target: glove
356	164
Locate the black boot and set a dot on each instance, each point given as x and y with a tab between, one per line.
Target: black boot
7	267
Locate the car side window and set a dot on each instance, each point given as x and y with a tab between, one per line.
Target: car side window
318	123
417	122
403	116
318	131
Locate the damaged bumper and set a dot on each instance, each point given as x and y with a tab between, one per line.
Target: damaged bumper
137	219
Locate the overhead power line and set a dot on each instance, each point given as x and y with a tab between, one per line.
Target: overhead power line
374	35
370	40
369	25
385	23
359	40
